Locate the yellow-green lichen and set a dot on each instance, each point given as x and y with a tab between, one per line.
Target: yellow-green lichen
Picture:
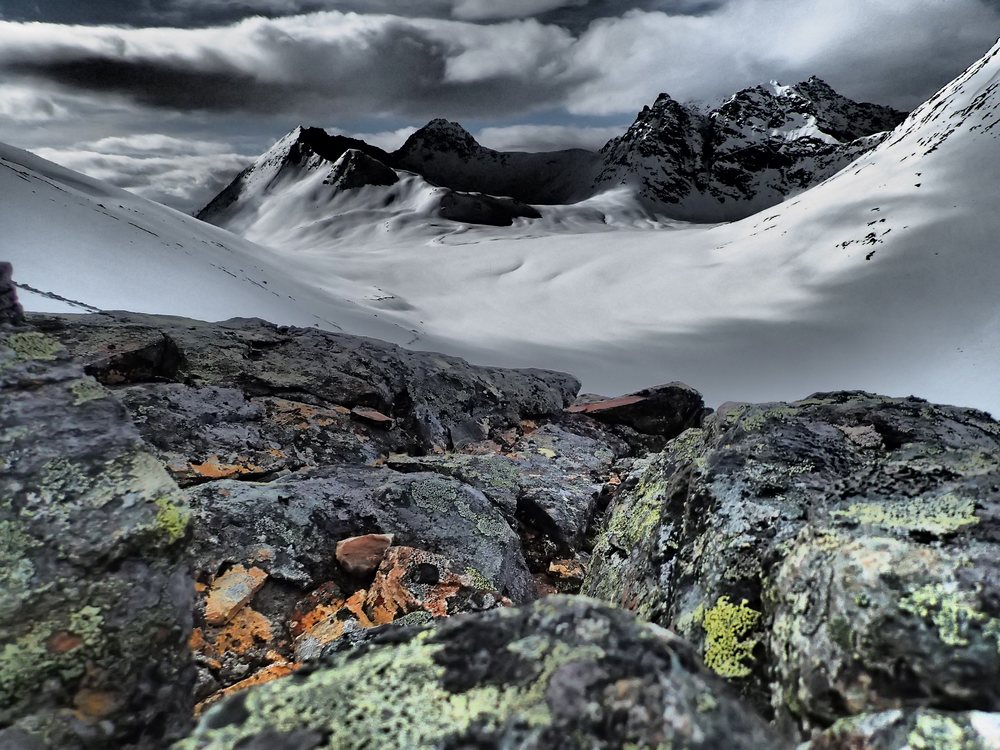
86	390
727	647
941	515
479	580
935	732
171	519
32	345
952	612
405	704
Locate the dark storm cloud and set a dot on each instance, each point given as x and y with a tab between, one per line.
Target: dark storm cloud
573	14
306	66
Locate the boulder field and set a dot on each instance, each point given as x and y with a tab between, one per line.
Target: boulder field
240	535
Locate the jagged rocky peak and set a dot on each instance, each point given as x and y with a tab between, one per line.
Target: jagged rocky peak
356	169
304	142
441	135
812	104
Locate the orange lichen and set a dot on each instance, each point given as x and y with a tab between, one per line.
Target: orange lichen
213	468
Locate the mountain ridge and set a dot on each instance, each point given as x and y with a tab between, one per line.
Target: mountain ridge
773	142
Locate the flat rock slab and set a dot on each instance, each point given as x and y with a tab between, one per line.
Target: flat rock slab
432	397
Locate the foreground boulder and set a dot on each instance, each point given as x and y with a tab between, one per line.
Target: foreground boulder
95	599
916	730
832	556
561	673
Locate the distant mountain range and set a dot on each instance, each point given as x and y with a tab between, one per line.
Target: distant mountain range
761	146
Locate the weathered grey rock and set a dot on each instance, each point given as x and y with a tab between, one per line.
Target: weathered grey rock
206	433
548	480
290	527
431	396
916	730
562	673
95	601
832	556
649	417
10	308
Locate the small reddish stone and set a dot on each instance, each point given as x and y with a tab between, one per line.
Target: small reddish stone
231	592
373	417
361	555
607	404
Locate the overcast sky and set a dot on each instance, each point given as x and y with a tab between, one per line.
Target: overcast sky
171	98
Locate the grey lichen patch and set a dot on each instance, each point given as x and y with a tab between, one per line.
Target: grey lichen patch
16	567
728	649
407	706
86	390
953	612
941	515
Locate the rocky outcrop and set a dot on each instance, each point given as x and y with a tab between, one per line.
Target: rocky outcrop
10	308
561	673
762	145
356	169
95	593
366	544
830	556
437	402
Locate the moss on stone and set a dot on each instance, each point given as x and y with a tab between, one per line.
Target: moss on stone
940	515
727	648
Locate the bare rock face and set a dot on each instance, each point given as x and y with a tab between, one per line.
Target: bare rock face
561	673
832	556
10	309
95	596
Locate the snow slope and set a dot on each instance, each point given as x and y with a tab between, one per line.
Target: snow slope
884	277
79	244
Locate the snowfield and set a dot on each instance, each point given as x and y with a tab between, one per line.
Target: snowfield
882	278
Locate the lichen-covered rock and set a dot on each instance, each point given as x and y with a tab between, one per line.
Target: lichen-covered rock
831	556
917	730
561	673
289	530
437	401
549	478
95	602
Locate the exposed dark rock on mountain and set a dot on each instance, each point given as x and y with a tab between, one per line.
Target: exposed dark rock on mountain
562	673
830	556
762	145
95	590
355	169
